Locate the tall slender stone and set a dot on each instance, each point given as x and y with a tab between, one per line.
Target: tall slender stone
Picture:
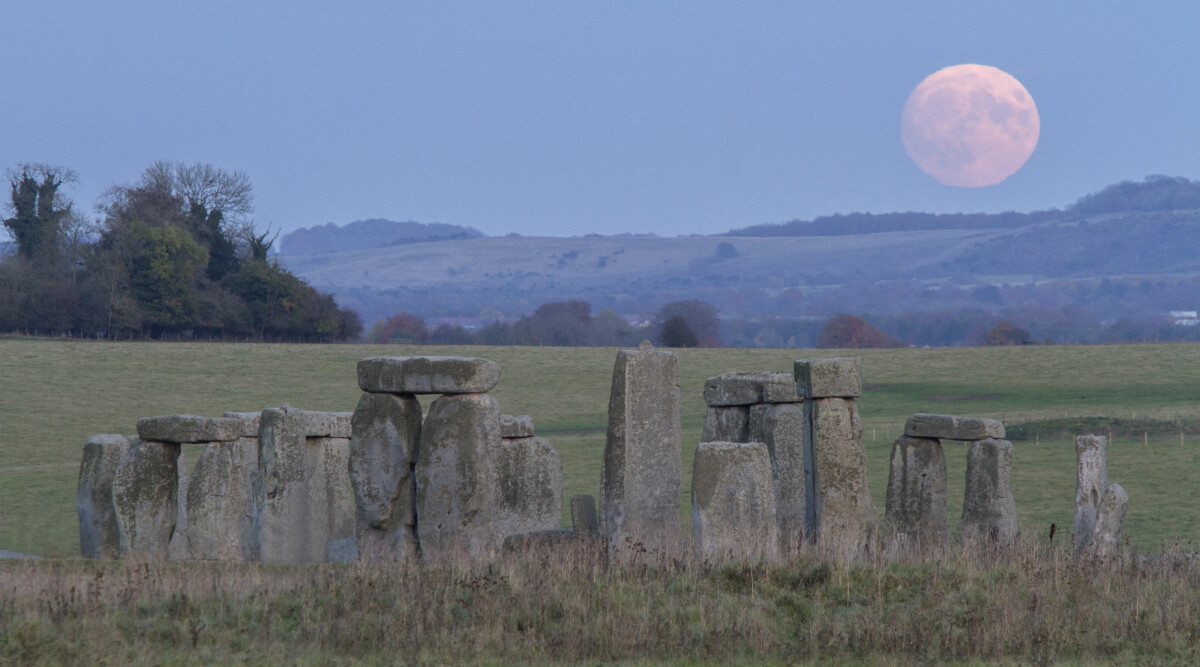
1091	481
1106	536
179	547
99	536
781	427
842	514
641	479
146	499
733	503
989	511
385	434
916	491
218	497
454	477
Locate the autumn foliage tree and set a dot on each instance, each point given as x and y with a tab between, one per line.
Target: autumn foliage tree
848	331
1005	333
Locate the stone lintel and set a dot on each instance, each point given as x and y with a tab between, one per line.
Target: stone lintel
948	427
428	375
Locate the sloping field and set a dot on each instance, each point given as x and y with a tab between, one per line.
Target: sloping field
54	394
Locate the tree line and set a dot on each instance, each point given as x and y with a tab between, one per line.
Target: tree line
173	255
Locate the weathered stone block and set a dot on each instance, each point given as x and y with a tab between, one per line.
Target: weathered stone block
727	424
454	477
386	432
1106	537
781	427
733	389
188	428
219	498
779	387
916	491
1091	481
516	427
302	497
146	500
179	548
838	377
989	511
842	514
641	479
248	420
528	486
99	535
583	514
948	427
733	503
427	375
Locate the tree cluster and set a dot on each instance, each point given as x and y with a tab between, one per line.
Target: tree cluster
172	255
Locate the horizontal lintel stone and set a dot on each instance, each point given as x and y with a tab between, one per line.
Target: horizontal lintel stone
428	375
948	427
189	428
838	377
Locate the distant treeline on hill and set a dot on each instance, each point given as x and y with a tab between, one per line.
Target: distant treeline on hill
1155	193
365	234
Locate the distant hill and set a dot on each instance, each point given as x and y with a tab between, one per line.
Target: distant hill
365	234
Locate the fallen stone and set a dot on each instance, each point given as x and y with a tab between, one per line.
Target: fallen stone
427	375
1106	539
218	498
188	428
641	479
838	377
842	515
583	514
528	486
727	424
386	432
733	503
947	427
781	427
99	536
989	511
730	389
248	420
516	427
916	491
454	477
15	555
146	500
1091	481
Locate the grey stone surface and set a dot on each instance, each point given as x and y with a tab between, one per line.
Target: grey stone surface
730	389
781	427
386	433
528	486
1091	481
454	477
583	514
249	422
516	426
344	550
1106	538
779	387
641	479
320	424
302	497
989	511
916	491
218	499
566	543
188	428
99	536
146	500
838	377
727	424
178	548
842	514
733	503
427	375
949	427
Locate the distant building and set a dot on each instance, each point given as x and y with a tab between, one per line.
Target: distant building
1185	318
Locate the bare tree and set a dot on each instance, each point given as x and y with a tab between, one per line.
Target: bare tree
229	192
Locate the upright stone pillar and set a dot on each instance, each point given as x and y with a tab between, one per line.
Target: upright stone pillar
916	491
733	503
219	494
989	511
385	435
1106	537
642	476
99	536
528	482
1091	481
781	427
146	499
583	514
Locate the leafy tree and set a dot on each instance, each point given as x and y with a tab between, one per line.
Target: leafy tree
677	333
38	210
1005	333
162	272
561	323
700	317
848	331
400	326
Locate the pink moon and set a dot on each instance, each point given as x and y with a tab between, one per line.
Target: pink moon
970	126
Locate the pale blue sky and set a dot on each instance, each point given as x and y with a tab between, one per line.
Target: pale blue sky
555	118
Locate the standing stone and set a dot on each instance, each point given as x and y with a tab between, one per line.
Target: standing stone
733	503
217	499
781	427
178	549
528	486
99	536
302	494
385	433
1106	538
1091	481
727	424
842	515
455	512
989	511
145	499
641	480
916	491
583	514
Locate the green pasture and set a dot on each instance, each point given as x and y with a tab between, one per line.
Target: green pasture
55	393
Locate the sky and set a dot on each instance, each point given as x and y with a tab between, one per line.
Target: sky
566	118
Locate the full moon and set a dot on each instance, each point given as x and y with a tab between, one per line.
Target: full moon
970	125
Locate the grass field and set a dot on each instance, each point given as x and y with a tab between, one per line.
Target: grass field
54	394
